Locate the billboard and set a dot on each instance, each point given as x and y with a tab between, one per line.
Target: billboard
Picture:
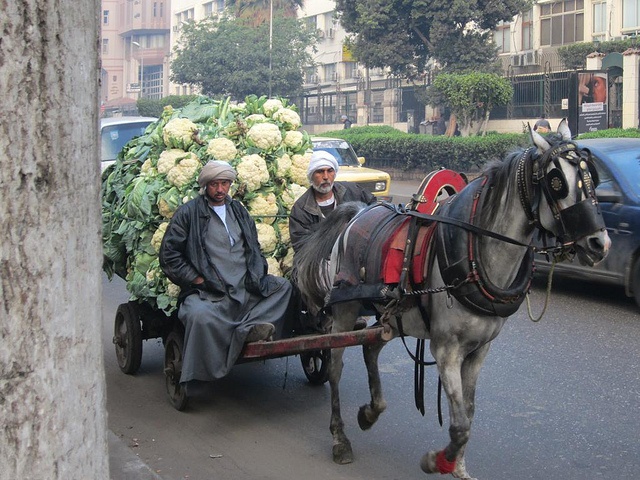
589	109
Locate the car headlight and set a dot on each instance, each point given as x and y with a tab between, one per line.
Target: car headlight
380	187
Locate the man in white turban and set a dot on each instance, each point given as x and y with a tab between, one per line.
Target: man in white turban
211	251
316	203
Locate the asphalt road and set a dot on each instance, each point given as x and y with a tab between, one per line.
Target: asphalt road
558	399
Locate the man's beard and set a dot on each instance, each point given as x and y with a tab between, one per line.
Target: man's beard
323	188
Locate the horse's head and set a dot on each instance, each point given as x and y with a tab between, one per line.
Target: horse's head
563	188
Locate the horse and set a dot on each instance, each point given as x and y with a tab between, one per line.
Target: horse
459	281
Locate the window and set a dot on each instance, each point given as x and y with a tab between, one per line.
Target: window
208	9
105	17
350	70
105	46
220	5
630	13
527	30
155	9
330	72
501	37
599	17
161	9
562	22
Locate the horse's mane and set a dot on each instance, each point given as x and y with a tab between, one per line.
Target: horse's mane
310	262
501	175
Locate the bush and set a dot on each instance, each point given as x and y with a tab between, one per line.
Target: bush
612	133
149	107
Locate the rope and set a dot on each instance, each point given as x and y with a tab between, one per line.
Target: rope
547	296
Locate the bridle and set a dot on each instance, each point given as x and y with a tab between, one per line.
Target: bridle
541	176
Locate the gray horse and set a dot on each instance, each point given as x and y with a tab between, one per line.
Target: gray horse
476	273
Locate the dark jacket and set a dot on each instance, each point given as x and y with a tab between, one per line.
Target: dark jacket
183	256
305	213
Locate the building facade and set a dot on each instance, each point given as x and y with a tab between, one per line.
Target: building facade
139	35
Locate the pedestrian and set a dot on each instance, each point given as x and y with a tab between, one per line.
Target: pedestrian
345	120
211	251
542	125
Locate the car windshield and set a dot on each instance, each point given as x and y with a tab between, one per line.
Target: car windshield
115	137
339	149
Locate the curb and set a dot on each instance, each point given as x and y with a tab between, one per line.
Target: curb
126	465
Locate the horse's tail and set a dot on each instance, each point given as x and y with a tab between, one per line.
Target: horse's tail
311	261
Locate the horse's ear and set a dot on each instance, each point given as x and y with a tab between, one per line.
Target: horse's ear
539	141
563	130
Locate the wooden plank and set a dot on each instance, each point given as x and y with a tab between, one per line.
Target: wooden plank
305	343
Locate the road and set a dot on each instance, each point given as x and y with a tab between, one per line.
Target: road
558	399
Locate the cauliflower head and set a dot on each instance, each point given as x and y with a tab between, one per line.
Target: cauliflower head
267	238
264	207
293	139
222	149
283	231
299	166
273	267
289	118
252	171
156	240
271	106
291	193
283	164
169	158
179	133
266	136
286	263
184	172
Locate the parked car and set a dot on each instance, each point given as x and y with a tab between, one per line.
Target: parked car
352	169
617	161
115	132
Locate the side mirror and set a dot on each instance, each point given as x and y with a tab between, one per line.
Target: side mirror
361	160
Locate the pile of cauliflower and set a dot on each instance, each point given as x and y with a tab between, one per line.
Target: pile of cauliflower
157	172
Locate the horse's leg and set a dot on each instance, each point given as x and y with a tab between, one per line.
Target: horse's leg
470	370
369	413
344	317
450	358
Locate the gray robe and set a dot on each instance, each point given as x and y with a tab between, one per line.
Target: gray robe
216	329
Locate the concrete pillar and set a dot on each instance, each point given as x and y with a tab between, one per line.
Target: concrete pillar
594	61
630	91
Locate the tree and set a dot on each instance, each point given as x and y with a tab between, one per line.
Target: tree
52	387
471	97
227	57
405	35
259	11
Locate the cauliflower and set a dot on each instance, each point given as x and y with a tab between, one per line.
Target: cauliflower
298	171
283	231
183	172
293	139
289	118
264	207
291	193
266	136
147	168
173	290
169	158
169	202
271	106
222	149
286	263
267	238
283	165
179	133
156	240
252	171
153	274
273	267
256	118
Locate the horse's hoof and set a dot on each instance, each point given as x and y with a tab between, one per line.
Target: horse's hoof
435	462
363	420
342	454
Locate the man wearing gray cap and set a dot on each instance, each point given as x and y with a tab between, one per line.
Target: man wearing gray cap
211	251
322	197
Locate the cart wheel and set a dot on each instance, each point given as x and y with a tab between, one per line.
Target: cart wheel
316	366
127	337
173	370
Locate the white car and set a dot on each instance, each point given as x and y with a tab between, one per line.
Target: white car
115	132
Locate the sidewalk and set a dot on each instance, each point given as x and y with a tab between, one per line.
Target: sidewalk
124	464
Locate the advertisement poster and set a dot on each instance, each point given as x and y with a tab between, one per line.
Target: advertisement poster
593	112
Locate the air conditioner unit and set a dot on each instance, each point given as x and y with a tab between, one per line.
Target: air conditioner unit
530	58
516	60
331	33
334	76
176	28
